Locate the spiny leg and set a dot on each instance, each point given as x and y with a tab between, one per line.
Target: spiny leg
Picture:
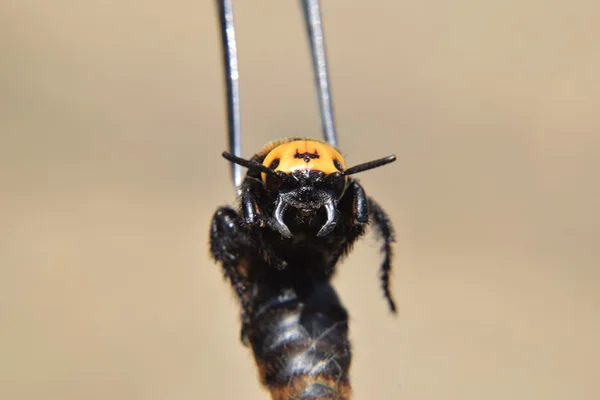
385	231
231	245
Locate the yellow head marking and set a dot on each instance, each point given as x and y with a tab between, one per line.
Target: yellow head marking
304	154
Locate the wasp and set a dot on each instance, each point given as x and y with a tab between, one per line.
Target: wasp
300	211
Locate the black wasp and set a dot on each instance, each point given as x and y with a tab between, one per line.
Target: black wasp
299	213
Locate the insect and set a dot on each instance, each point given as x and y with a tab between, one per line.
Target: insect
299	212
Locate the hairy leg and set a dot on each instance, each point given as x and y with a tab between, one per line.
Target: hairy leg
385	232
231	246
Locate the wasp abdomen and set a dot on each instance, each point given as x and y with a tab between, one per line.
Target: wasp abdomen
302	347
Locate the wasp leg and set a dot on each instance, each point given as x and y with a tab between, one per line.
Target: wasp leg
231	245
250	208
364	209
353	216
360	204
385	231
257	221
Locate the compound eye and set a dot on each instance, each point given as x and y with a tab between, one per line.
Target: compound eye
274	164
276	182
338	165
337	183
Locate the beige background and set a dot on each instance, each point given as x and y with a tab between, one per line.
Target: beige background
111	127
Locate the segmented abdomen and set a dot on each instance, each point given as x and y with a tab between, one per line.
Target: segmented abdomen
300	343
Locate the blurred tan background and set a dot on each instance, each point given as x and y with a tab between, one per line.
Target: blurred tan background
112	121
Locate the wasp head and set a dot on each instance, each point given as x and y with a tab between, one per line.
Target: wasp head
307	175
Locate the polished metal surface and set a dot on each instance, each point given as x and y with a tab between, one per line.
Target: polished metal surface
232	83
316	38
314	29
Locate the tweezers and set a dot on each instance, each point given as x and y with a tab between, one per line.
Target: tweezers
314	29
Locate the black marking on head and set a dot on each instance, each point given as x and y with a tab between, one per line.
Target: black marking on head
338	165
306	156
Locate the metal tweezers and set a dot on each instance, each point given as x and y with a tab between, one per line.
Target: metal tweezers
314	28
